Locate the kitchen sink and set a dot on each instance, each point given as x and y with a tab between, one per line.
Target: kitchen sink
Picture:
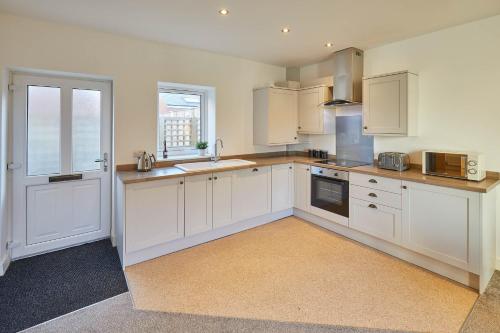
211	165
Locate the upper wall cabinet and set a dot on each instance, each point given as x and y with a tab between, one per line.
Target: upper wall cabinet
390	104
274	116
314	118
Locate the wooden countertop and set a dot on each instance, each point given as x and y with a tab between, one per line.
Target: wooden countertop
414	175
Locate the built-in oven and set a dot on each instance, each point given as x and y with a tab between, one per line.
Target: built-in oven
330	190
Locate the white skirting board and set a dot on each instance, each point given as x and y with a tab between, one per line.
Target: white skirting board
454	273
184	243
4	264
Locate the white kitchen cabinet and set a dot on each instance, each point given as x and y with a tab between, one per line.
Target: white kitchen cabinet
222	198
442	223
390	104
376	220
302	190
198	204
154	213
314	118
251	193
275	116
282	187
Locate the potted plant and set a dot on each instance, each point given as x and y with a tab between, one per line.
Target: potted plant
202	147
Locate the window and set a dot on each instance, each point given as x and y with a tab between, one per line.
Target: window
182	120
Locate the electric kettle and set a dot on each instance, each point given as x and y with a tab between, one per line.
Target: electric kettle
145	162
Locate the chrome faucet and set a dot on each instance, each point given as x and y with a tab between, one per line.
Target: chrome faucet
217	153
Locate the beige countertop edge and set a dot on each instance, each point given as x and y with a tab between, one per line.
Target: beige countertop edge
414	175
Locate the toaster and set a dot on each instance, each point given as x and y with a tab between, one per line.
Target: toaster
394	161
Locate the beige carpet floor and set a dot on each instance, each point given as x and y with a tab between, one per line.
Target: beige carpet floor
293	271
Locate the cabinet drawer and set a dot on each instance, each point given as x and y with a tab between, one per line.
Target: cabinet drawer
376	196
375	182
376	220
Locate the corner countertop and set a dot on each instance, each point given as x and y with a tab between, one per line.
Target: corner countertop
413	175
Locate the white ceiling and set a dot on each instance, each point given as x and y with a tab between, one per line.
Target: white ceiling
252	29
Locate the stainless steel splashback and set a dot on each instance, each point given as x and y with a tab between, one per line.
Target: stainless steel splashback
351	144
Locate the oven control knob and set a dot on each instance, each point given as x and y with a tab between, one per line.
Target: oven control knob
472	163
472	171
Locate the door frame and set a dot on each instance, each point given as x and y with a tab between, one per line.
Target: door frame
107	226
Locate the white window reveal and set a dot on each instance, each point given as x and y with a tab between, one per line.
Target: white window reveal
183	119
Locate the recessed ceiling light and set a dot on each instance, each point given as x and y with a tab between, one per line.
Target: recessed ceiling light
285	30
328	44
223	11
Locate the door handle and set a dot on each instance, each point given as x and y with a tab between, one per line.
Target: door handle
104	160
373	195
373	181
372	206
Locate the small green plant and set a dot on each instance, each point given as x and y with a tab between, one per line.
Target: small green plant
202	145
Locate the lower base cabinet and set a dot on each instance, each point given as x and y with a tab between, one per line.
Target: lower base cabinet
154	213
442	223
302	190
222	198
251	191
376	220
282	187
198	204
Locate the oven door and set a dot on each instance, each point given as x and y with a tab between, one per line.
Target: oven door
330	194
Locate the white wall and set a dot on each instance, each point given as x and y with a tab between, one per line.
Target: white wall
459	71
136	66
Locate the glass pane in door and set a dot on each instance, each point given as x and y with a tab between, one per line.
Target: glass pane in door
43	130
86	127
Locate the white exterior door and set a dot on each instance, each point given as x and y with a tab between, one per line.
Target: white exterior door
60	163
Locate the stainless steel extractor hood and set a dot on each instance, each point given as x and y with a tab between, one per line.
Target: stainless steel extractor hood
347	77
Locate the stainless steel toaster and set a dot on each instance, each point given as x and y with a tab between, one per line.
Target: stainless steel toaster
394	161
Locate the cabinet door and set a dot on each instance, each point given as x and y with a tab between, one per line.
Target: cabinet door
310	114
282	187
222	198
442	223
302	190
251	193
385	106
376	220
154	213
198	204
282	116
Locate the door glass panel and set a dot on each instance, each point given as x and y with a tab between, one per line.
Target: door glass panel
44	130
86	129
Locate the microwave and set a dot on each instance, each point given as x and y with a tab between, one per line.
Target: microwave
461	165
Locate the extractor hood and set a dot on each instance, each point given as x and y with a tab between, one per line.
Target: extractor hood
347	77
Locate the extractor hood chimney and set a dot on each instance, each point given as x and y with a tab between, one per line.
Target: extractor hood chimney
347	77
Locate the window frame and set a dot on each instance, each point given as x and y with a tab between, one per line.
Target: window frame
183	151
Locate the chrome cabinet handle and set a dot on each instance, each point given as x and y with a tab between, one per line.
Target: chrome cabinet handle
404	187
215	178
372	206
373	181
373	195
255	170
290	167
209	178
181	182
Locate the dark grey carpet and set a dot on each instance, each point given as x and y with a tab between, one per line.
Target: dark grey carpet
117	315
44	287
485	315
